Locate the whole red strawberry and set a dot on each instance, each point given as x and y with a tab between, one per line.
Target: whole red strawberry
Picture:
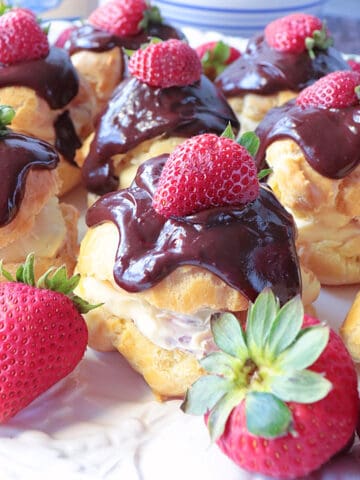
120	17
166	64
215	56
335	90
297	32
281	397
205	171
21	37
43	335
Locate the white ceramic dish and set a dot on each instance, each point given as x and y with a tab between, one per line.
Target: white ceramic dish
233	17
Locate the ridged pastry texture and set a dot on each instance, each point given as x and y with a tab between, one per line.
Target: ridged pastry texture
326	212
138	324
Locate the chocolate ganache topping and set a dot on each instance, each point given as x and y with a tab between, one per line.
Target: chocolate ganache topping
249	247
20	153
88	37
54	79
263	70
138	112
329	138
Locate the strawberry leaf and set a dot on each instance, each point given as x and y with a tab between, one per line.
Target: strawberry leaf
306	350
285	328
204	394
6	117
221	52
228	132
264	173
261	316
300	386
228	335
220	413
219	363
250	141
266	415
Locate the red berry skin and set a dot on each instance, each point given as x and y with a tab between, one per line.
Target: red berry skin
42	339
64	37
323	428
209	47
171	63
203	172
354	65
214	61
121	18
335	90
21	37
288	34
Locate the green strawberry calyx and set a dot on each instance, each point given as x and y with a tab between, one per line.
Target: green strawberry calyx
320	39
54	279
7	114
151	15
216	58
264	366
251	142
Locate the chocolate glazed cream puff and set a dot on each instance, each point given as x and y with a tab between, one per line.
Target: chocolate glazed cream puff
144	120
160	279
52	102
97	47
31	217
268	75
313	151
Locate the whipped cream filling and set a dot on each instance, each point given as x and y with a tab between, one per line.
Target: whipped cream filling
44	240
164	328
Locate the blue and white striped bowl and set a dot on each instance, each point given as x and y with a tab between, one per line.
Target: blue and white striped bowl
232	17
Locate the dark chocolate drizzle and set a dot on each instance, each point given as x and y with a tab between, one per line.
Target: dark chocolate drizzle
53	78
329	138
265	71
20	153
88	37
67	141
249	247
138	112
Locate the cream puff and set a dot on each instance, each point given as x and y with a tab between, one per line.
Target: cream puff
350	329
51	100
292	53
97	46
159	105
31	217
312	146
160	279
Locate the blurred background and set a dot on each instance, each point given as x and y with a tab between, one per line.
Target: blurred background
243	17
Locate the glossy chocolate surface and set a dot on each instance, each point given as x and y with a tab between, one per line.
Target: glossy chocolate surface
329	138
265	71
138	112
67	141
20	153
249	247
88	37
53	78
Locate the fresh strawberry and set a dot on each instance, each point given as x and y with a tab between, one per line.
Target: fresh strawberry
21	37
124	17
205	171
281	397
335	90
297	32
166	64
43	334
354	65
215	56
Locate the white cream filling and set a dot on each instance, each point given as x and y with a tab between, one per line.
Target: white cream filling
45	239
164	328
